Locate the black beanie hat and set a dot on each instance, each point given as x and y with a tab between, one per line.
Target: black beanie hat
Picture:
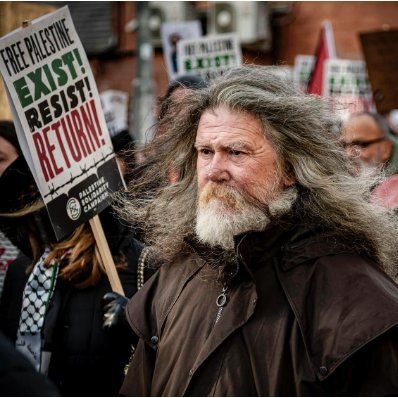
17	186
7	131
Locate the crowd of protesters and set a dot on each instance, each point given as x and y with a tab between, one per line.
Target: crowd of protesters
256	245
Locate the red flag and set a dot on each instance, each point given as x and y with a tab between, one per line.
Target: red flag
324	51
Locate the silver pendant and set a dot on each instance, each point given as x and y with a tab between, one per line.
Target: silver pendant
221	301
222	298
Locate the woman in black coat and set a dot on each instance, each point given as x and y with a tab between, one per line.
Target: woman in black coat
80	356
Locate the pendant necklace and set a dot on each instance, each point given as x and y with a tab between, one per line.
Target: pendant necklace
222	298
221	301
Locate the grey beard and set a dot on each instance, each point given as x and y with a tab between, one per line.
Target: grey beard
216	228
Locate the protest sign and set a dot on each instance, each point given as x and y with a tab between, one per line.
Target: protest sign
59	120
172	33
346	83
209	56
303	65
380	50
114	105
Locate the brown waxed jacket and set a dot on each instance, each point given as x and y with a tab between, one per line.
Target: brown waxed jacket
307	316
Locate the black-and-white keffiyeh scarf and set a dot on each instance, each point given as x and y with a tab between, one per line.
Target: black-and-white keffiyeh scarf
8	253
36	297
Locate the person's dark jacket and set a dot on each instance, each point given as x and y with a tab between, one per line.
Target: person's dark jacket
87	360
306	316
18	378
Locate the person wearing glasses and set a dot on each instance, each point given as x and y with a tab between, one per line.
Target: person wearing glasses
368	139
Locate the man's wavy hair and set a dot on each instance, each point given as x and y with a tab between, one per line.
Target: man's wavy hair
331	194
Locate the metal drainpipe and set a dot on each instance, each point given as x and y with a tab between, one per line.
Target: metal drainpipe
142	104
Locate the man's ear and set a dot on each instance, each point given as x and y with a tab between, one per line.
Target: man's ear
386	148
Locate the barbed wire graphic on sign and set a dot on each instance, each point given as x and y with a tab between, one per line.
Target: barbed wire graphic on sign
52	191
84	169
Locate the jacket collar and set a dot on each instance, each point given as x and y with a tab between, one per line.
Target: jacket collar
250	247
294	243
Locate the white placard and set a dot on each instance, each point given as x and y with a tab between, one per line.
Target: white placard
114	104
172	33
303	65
209	56
346	83
59	119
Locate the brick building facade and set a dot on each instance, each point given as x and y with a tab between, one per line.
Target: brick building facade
295	30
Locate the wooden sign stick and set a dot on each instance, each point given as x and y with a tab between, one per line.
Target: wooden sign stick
106	255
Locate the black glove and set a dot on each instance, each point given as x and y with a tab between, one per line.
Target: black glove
114	305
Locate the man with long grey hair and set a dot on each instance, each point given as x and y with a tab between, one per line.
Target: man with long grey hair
276	272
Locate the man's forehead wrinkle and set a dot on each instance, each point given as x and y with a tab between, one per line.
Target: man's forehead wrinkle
237	125
217	118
